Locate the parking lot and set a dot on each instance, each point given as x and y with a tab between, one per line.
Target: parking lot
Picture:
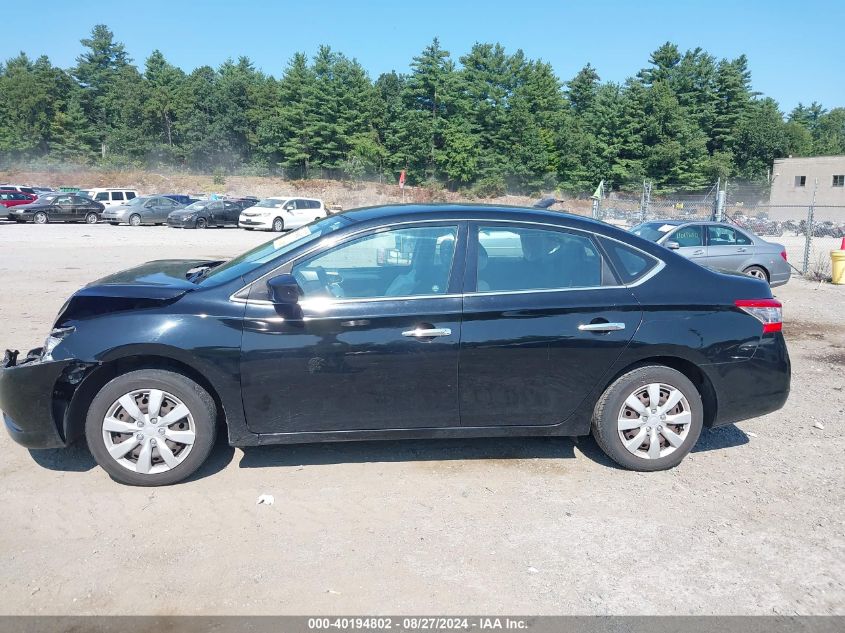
752	522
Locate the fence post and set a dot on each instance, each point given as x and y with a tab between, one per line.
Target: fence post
599	192
645	201
808	230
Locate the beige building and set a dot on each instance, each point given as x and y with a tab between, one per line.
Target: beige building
795	179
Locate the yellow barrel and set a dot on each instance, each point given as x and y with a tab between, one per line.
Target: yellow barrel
837	266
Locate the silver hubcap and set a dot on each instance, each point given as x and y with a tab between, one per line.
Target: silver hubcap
277	225
149	431
91	219
756	273
134	220
40	218
654	421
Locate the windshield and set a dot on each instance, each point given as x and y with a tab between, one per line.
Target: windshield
652	231
270	203
47	198
136	201
196	206
86	193
269	251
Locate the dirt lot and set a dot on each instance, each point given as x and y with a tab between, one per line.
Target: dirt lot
753	522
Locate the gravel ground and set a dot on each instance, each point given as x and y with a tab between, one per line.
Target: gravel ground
753	522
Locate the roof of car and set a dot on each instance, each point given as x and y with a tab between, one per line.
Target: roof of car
470	211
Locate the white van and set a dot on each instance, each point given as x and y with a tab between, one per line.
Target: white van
280	214
109	197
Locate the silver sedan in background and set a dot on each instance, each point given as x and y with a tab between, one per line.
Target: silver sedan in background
141	210
721	246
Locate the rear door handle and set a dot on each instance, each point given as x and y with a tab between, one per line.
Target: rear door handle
428	333
601	327
698	252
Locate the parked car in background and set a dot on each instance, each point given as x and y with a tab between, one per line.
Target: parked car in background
573	327
58	207
20	188
181	198
205	213
40	191
15	198
279	214
141	210
110	197
721	246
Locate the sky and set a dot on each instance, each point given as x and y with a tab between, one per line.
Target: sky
796	50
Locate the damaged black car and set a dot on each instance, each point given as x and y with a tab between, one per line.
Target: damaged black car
403	322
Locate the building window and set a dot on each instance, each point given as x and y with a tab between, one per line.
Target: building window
800	181
839	181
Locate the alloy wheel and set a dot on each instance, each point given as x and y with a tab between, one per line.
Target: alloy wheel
278	225
201	223
91	218
40	218
757	273
149	431
654	421
135	220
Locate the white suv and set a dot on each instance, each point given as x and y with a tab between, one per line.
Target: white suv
280	214
109	197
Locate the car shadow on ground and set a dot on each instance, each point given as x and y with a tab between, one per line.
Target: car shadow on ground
717	439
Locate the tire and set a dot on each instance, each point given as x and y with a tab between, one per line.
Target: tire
134	220
40	218
758	272
278	225
613	411
91	218
186	457
202	223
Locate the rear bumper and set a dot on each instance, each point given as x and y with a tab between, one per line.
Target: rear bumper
754	387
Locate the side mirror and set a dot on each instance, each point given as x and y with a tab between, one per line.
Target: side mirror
284	290
289	207
672	244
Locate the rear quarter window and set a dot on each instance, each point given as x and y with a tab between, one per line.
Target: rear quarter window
629	263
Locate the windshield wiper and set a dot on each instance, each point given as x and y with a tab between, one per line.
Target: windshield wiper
197	273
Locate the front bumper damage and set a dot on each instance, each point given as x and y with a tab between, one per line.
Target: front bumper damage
35	397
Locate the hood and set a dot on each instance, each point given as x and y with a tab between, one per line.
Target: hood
149	285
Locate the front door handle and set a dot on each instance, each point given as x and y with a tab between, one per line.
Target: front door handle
428	333
698	252
740	250
601	327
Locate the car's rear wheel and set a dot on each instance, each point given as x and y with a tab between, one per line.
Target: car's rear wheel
40	217
757	272
202	223
91	218
135	220
649	418
278	225
151	427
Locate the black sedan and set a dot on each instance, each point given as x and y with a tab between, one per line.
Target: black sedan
403	322
58	207
205	213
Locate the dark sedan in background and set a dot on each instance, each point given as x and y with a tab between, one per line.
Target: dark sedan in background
58	207
403	322
721	246
142	210
207	213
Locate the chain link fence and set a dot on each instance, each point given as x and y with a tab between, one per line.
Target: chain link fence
808	232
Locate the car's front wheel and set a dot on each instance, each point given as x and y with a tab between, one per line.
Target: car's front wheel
151	427
649	418
135	220
202	223
40	218
278	225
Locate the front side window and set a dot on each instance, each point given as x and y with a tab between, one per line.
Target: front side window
397	263
726	236
691	235
522	258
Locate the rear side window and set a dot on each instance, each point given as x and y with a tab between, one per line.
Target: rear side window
630	264
725	236
117	195
521	258
27	189
130	195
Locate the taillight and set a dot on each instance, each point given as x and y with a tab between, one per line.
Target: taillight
783	254
769	312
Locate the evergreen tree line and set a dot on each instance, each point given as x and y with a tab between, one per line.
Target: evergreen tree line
489	122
